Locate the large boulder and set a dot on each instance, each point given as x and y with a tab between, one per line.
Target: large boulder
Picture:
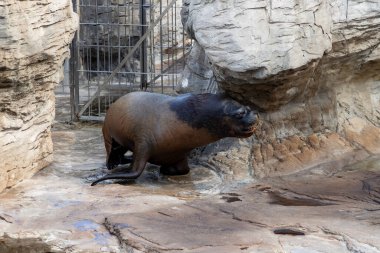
310	67
34	41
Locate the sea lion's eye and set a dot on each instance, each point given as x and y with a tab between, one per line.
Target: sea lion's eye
240	114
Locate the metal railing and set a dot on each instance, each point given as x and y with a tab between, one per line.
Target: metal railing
124	46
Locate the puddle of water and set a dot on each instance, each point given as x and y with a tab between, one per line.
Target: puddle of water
200	181
80	154
86	225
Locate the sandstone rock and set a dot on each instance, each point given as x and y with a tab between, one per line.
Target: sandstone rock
34	42
312	68
230	157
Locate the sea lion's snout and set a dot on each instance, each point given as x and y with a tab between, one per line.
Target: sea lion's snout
250	119
249	123
245	122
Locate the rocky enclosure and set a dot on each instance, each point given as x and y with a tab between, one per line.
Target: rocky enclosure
311	67
34	39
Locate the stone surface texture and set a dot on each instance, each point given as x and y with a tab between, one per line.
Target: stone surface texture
312	69
34	39
324	209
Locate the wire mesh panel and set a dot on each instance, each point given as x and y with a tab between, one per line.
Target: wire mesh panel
124	46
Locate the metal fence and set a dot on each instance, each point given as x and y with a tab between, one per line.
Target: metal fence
124	46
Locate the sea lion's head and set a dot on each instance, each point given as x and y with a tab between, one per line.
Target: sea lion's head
237	120
220	115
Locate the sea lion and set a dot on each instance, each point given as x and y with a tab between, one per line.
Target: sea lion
162	129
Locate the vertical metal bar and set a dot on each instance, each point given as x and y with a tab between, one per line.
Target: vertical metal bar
88	70
130	38
87	54
161	52
183	46
73	78
143	49
174	32
118	45
74	87
152	41
168	42
97	27
173	40
125	46
107	52
130	31
110	45
77	63
72	73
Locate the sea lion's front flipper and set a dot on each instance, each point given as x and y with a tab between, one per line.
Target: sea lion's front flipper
180	168
127	159
116	155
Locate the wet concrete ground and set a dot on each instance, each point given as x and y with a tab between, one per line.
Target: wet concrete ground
319	210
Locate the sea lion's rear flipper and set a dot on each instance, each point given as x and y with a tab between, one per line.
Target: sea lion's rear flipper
137	168
126	175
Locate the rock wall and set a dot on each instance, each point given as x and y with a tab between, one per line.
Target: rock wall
312	68
34	40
